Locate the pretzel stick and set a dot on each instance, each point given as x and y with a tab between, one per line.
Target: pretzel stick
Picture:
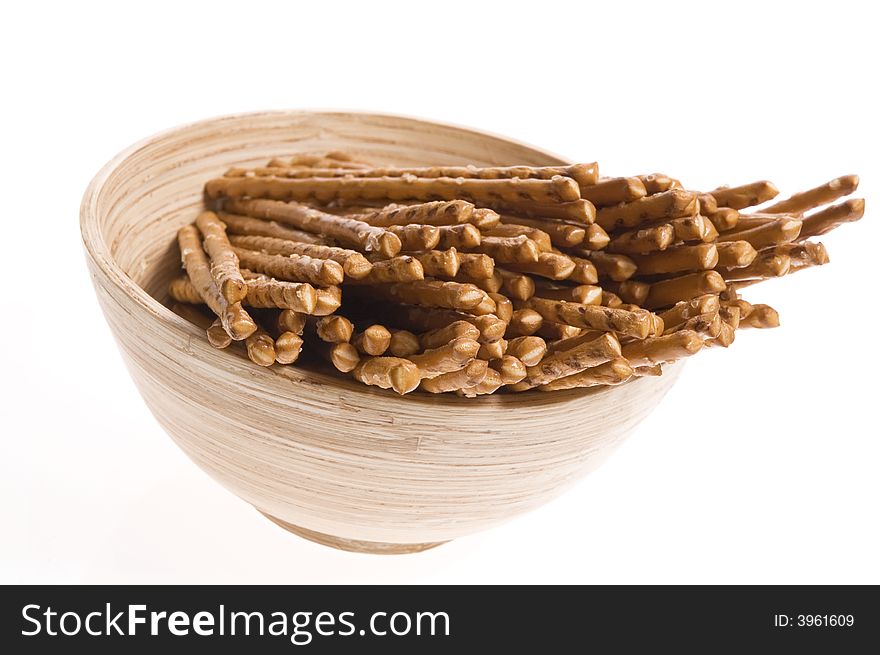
735	254
441	336
298	296
803	255
706	325
224	263
246	225
299	268
764	236
610	299
551	331
237	323
516	285
596	238
761	316
568	362
613	372
669	204
476	265
449	212
551	265
693	228
708	205
609	265
642	241
667	348
541	238
462	237
288	347
353	263
586	294
347	231
562	235
829	218
627	323
486	306
766	265
745	195
434	293
446	358
524	322
658	183
343	356
529	350
439	263
491	284
723	219
816	197
630	291
328	301
503	306
465	378
289	320
404	268
489	385
676	315
423	319
493	350
404	343
614	190
485	219
334	329
260	348
648	371
416	237
668	292
681	259
731	315
510	250
388	373
510	368
577	211
374	340
584	272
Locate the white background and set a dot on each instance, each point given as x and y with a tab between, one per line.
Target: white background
760	466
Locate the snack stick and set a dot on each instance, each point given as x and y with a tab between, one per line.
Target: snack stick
224	263
642	241
708	205
613	372
760	316
249	226
493	350
423	319
486	306
407	187
437	213
771	234
510	368
711	234
439	263
648	371
354	264
586	294
289	320
334	329
577	211
725	337
489	385
562	235
745	195
404	343
524	322
503	306
217	335
467	377
554	266
343	356
766	265
269	293
627	323
749	221
730	314
529	350
476	265
613	190
707	325
551	331
658	183
667	348
829	218
515	286
182	290
610	299
388	373
446	358
491	284
735	254
803	255
568	362
510	250
298	268
668	292
434	293
681	259
462	237
631	291
403	268
723	219
416	237
347	231
260	347
816	197
374	340
692	228
669	204
288	347
676	315
596	238
484	219
584	272
541	238
573	340
441	336
609	265
328	301
237	323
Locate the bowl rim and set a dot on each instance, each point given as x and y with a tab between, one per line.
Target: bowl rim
98	251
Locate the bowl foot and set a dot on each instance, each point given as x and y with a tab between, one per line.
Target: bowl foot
353	545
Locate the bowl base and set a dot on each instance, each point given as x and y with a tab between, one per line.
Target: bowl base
353	545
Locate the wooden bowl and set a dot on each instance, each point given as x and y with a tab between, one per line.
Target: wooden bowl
323	456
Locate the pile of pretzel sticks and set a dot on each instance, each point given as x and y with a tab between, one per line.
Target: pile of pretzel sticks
473	280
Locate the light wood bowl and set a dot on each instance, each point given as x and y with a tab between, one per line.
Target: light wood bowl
323	456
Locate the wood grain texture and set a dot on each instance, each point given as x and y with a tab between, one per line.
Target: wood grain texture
329	456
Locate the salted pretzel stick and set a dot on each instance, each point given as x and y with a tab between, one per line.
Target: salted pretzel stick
374	340
416	237
766	265
486	306
290	321
510	368
735	254
614	190
524	322
485	219
334	329
503	306
353	263
299	268
441	212
676	315
439	263
435	293
829	218
708	205
347	231
668	292
610	299
612	266
404	268
469	376
288	347
462	237
745	195
730	314
343	356
266	293
669	204
576	211
423	319
693	228
493	350
541	238
816	197
667	348
642	241
403	343
516	285
246	225
237	323
529	350
596	238
388	373
489	385
706	325
803	255
723	219
562	235
658	183
182	290
476	265
627	323
630	291
681	259
224	263
568	362
586	294
761	316
261	348
441	336
648	371
770	234
491	284
613	372
756	219
510	250
446	358
552	332
584	272
554	266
